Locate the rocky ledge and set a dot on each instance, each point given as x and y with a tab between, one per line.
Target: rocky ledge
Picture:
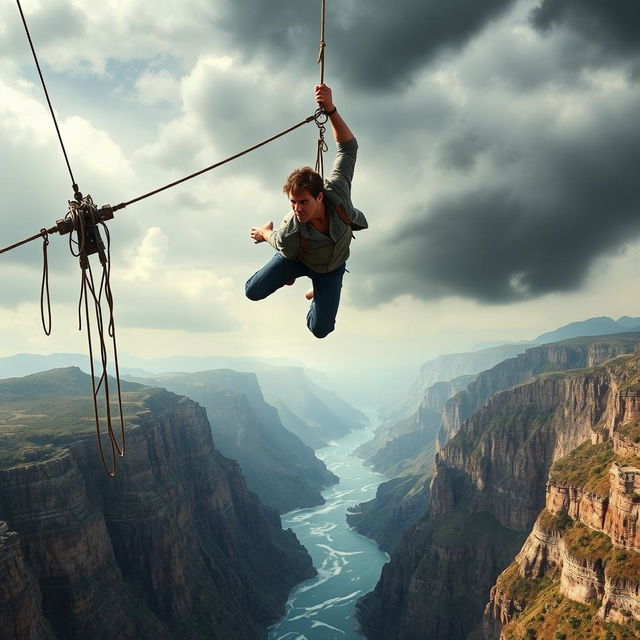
584	546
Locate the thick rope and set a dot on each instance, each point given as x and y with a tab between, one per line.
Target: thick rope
323	44
81	214
35	236
122	205
76	193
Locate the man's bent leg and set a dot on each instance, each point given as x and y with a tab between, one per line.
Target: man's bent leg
321	318
275	274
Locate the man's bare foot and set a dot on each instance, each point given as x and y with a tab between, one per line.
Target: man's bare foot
309	294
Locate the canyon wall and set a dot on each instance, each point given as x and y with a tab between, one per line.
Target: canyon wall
174	546
489	487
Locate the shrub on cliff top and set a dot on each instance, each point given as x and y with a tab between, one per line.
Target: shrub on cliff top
586	466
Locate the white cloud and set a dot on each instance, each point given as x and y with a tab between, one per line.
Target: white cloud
163	293
153	87
145	96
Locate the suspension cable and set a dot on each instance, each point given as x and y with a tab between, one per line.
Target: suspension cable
122	205
35	236
46	93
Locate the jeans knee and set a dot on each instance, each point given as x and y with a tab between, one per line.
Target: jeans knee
252	292
320	331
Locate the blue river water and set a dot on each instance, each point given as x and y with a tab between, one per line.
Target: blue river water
348	564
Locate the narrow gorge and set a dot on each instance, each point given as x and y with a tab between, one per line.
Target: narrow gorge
490	483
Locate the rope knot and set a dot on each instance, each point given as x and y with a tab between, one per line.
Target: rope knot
323	45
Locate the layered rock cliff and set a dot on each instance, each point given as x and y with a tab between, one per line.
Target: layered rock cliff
559	356
583	553
20	598
443	369
174	546
277	465
406	450
395	446
489	486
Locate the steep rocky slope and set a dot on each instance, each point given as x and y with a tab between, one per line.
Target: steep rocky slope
396	446
489	486
558	356
578	573
316	415
21	613
277	465
173	547
443	369
381	522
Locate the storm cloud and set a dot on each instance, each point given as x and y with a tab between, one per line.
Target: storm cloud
614	25
371	45
555	201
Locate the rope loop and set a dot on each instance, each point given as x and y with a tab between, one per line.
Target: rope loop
321	119
45	297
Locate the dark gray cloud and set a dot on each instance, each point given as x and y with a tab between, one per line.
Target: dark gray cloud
612	25
554	204
370	44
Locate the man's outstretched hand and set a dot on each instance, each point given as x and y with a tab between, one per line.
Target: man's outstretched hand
261	234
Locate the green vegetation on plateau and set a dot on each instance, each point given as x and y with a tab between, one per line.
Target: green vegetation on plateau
42	414
548	615
551	616
587	466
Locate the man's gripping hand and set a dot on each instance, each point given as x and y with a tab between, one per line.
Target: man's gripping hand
324	97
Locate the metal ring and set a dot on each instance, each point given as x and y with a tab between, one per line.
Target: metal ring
319	115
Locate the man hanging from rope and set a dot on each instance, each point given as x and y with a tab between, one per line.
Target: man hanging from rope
313	239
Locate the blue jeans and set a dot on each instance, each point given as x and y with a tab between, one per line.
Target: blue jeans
321	318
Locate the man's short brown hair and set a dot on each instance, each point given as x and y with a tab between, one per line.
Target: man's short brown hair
304	179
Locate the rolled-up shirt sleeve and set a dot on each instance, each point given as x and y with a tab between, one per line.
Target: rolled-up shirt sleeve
285	240
344	165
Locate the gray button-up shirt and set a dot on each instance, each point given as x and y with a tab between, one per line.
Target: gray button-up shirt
322	252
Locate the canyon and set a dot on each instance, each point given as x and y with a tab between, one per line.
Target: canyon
173	546
490	483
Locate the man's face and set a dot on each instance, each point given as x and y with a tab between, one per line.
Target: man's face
305	207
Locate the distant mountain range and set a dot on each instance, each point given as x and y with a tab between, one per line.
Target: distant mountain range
307	407
600	326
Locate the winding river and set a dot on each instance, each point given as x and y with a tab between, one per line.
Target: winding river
348	564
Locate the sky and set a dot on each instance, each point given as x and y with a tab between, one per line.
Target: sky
499	145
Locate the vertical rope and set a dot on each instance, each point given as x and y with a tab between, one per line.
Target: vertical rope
320	116
323	44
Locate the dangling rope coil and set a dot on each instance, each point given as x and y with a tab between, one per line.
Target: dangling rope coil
44	287
84	219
